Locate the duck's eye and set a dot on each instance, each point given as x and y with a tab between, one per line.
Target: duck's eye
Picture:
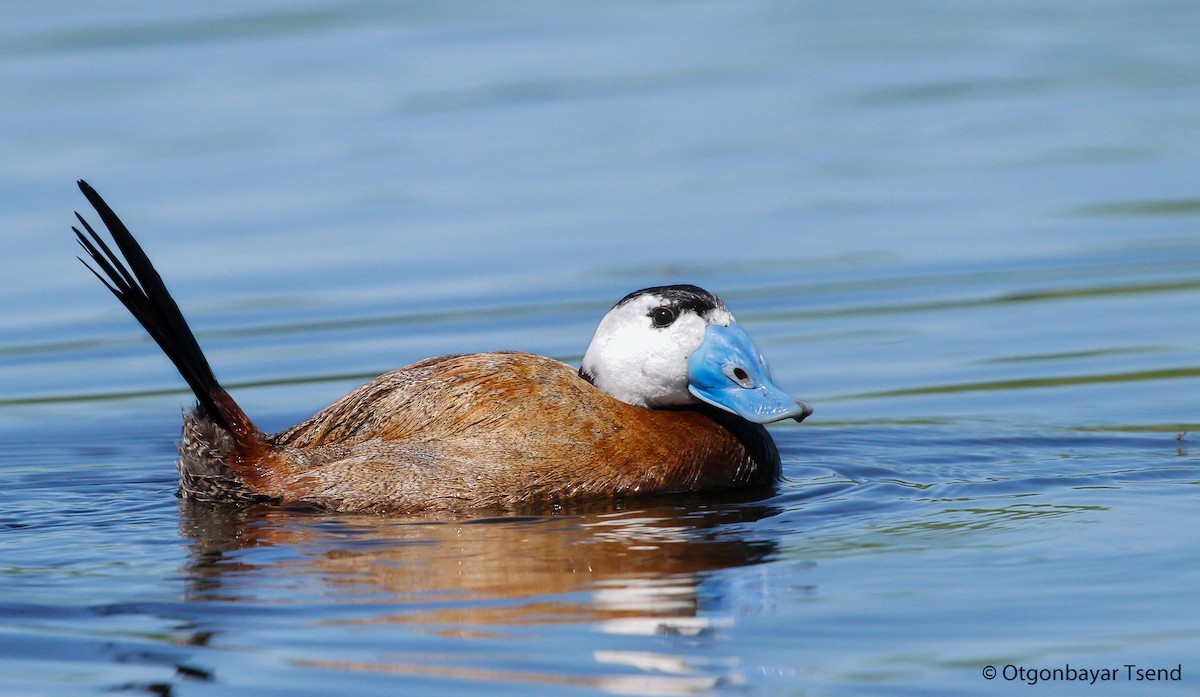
740	376
662	316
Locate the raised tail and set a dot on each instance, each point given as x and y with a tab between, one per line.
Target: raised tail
141	290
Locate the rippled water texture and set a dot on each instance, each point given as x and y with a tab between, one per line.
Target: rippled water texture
968	233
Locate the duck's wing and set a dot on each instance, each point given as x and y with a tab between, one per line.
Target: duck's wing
443	398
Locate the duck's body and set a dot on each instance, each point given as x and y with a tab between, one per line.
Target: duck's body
472	431
498	429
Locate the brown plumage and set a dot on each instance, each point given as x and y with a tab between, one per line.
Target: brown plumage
506	429
472	431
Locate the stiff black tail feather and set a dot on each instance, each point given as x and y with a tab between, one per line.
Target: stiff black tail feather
141	290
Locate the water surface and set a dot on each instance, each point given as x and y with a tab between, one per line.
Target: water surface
967	233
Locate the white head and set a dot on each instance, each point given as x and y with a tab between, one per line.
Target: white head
640	350
679	345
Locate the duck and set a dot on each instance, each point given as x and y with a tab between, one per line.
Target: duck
672	397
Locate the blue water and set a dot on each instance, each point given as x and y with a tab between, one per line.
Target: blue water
968	233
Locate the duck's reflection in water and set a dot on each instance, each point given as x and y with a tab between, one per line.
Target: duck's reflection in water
631	571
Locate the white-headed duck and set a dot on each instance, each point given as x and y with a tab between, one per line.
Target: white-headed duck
671	397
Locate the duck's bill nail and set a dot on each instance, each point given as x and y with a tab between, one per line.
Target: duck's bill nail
727	371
